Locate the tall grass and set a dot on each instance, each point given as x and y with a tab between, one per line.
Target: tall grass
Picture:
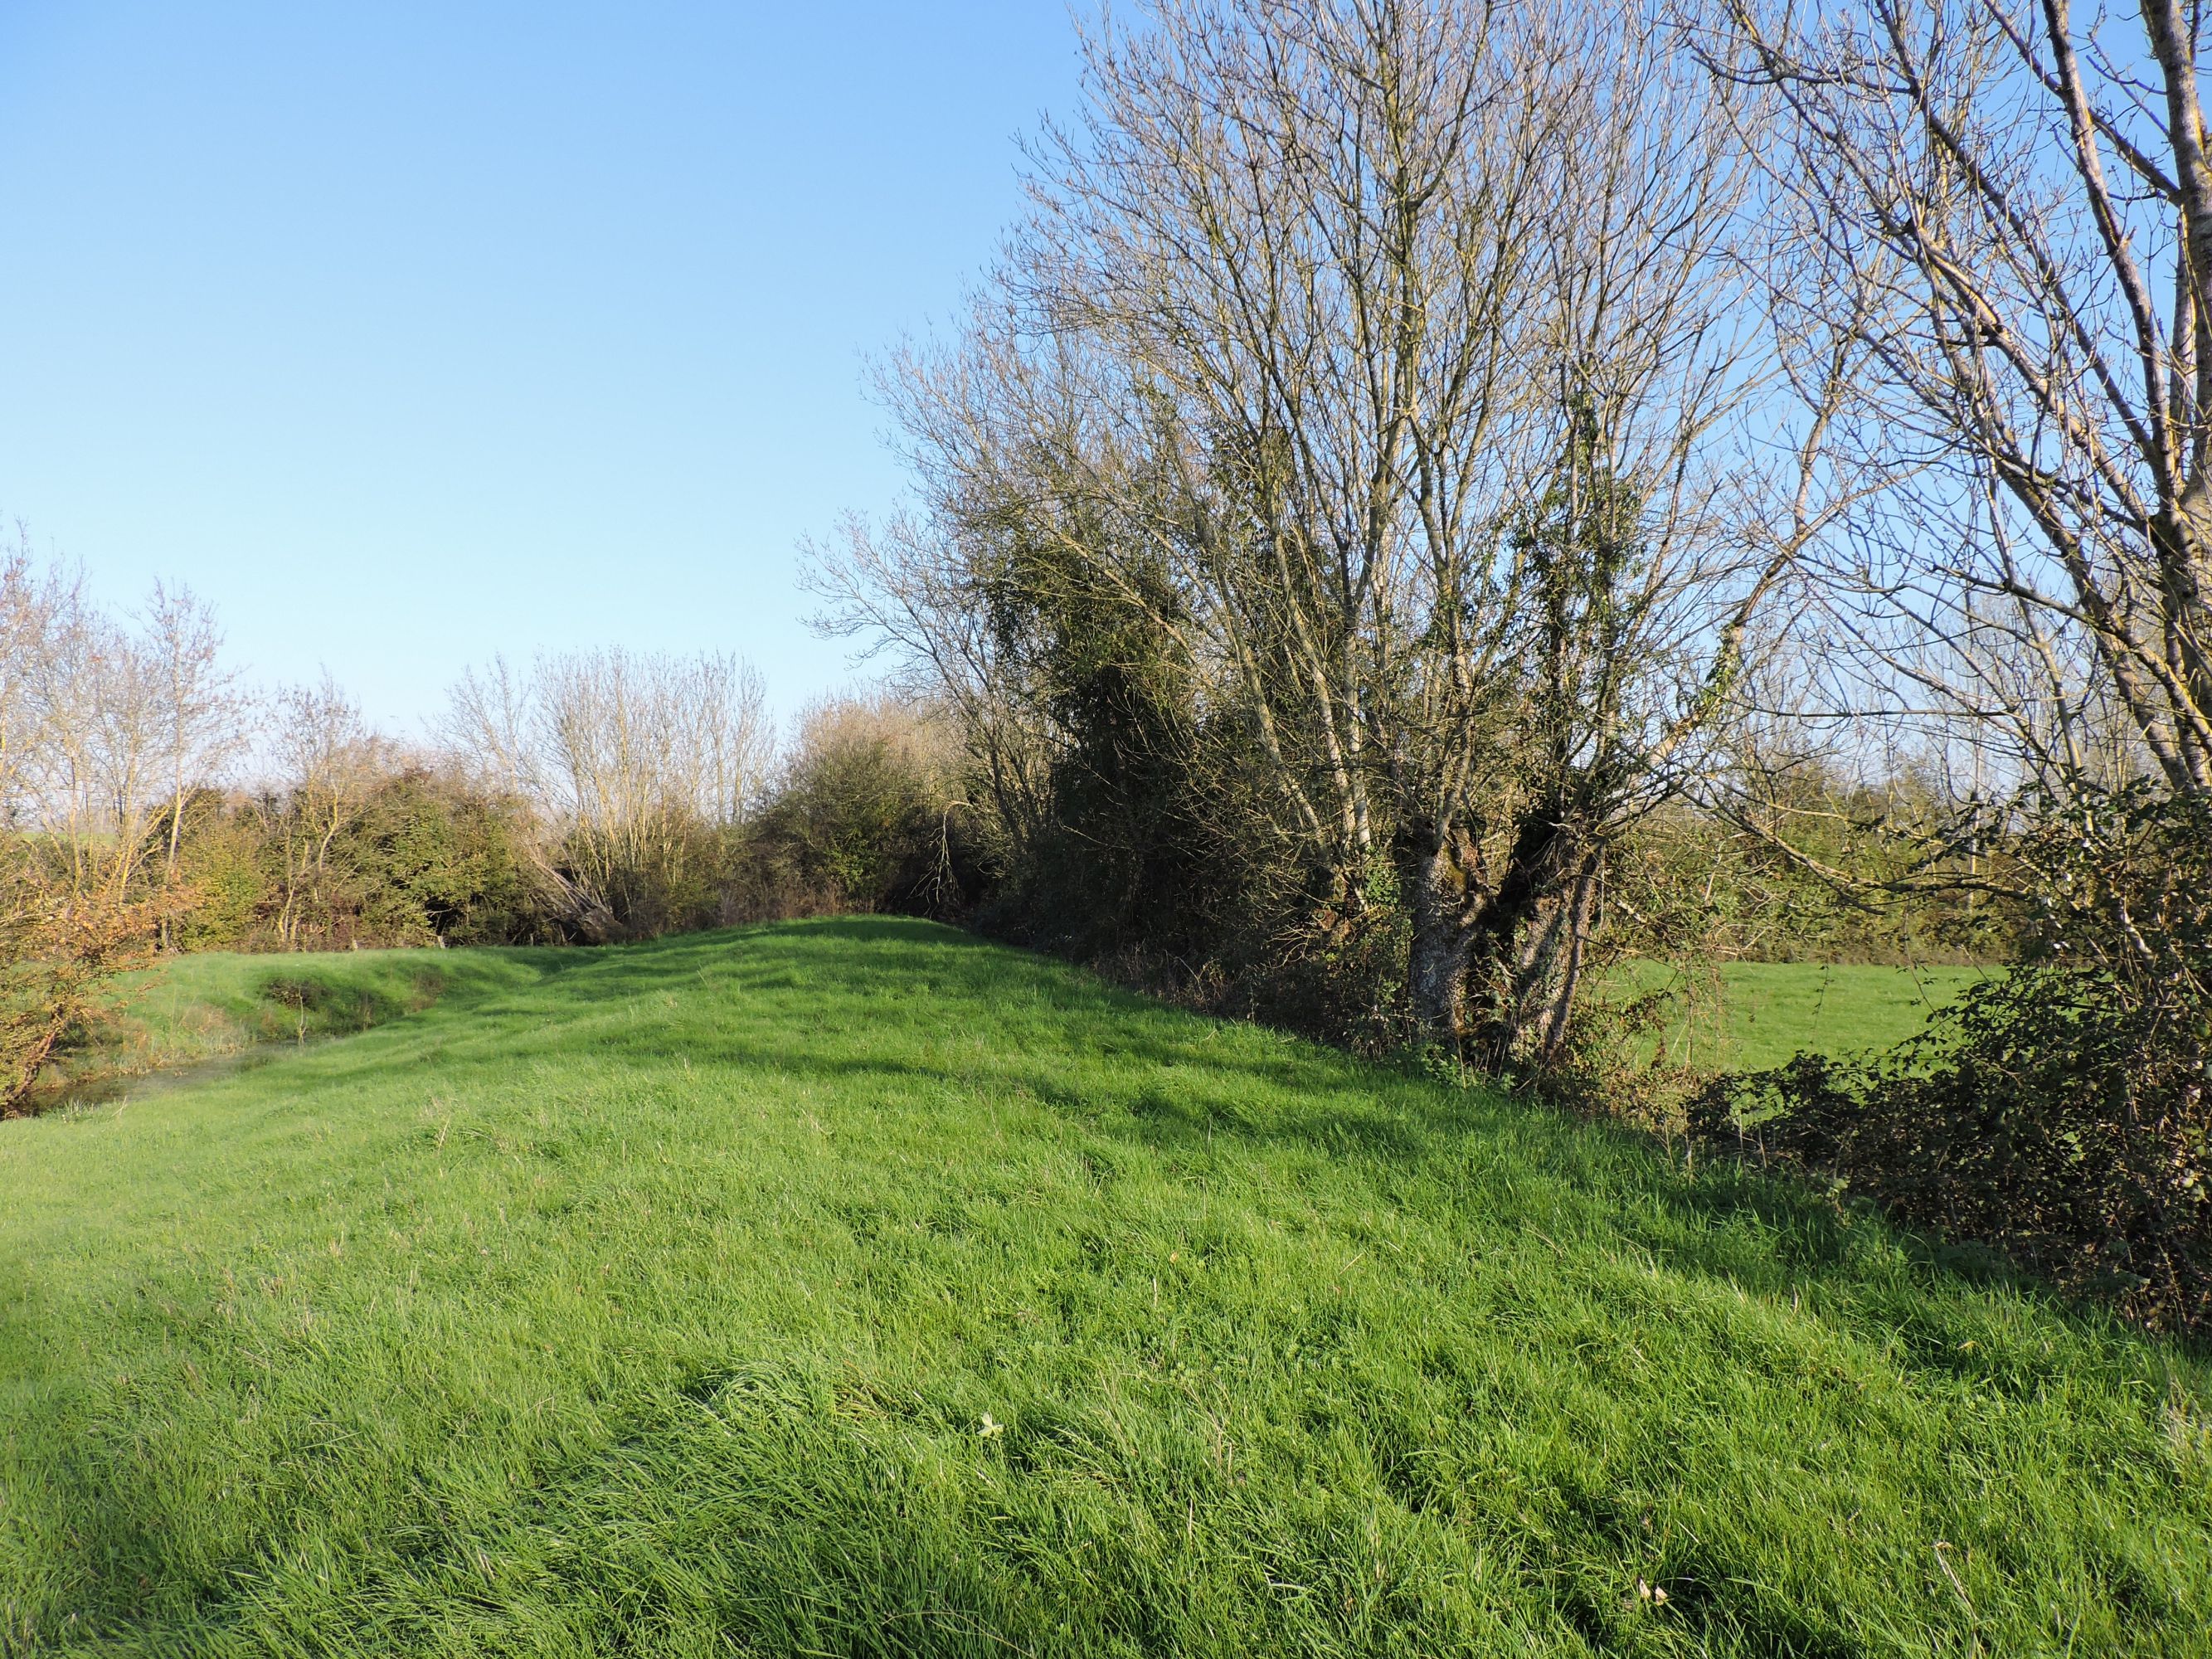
856	1287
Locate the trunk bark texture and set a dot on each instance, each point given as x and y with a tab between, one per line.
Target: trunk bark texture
1437	886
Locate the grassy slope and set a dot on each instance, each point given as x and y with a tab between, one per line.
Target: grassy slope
189	1009
214	1005
666	1299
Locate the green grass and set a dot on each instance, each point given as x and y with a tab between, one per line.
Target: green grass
188	1011
1777	1009
857	1287
1749	1016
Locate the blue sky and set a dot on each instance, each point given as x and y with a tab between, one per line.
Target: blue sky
410	333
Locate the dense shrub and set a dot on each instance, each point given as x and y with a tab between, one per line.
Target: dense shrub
65	934
223	858
412	857
2061	1112
435	861
866	814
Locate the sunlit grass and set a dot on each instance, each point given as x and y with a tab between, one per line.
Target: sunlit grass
857	1287
1748	1016
187	1009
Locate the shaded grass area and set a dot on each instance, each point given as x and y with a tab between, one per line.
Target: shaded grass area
187	1010
857	1287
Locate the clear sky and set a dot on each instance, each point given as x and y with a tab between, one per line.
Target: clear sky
408	333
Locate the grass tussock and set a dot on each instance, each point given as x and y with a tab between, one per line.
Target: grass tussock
856	1287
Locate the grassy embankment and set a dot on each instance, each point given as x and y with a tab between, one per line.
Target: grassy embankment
192	1012
858	1287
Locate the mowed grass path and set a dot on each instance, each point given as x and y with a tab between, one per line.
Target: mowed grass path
857	1287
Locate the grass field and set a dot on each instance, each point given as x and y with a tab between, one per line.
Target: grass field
1766	1012
857	1287
193	1012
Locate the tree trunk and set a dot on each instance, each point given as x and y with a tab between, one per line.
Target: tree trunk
1555	976
1511	946
1436	969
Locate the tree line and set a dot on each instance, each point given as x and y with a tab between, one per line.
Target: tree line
152	805
1421	471
1355	520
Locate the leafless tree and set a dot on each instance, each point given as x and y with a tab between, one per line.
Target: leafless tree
1395	360
2000	212
909	592
88	772
624	756
202	715
102	726
328	763
80	717
26	618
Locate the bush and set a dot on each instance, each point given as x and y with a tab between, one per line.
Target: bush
415	857
2059	1113
63	947
233	880
867	817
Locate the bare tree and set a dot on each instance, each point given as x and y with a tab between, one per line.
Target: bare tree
203	716
88	771
328	764
1390	358
908	590
26	619
201	712
624	756
79	713
2000	211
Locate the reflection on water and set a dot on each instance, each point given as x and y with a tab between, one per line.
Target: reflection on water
111	1089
